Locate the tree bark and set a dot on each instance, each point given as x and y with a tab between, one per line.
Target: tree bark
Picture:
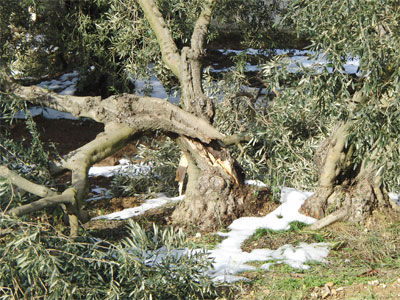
215	191
345	192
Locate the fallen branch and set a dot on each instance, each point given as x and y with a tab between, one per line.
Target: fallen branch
139	113
25	184
67	198
330	219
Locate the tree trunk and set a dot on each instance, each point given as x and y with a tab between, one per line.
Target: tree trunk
345	191
215	192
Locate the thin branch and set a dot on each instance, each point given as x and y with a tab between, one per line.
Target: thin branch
236	139
67	197
25	184
330	219
169	51
201	28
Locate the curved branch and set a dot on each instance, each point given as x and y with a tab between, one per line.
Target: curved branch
139	113
114	137
25	184
169	51
67	197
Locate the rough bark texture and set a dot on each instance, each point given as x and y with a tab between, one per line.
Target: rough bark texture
345	192
215	191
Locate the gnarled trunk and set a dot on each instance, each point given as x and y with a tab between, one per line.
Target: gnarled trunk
345	192
215	192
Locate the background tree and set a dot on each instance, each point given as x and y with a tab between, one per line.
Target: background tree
358	111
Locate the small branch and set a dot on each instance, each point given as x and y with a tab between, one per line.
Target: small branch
235	139
67	197
200	29
169	51
25	184
330	219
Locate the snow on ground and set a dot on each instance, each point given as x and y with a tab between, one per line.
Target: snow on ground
298	59
99	193
156	89
46	112
64	85
395	197
139	210
228	257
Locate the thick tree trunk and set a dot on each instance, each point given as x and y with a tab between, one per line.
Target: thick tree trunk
215	191
345	192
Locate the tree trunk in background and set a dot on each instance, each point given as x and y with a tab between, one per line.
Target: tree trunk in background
357	192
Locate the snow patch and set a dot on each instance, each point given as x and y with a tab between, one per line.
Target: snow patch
139	210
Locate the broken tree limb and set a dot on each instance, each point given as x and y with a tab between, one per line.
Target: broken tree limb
139	113
25	184
67	197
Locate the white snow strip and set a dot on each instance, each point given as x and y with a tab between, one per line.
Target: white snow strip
135	211
298	60
124	168
65	85
395	197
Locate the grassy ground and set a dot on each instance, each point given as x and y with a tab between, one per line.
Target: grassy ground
363	264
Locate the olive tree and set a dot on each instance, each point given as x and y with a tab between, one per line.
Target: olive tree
133	34
356	111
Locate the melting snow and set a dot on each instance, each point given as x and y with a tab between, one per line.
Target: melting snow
135	211
228	257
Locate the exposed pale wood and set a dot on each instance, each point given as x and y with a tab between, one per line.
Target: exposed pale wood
330	219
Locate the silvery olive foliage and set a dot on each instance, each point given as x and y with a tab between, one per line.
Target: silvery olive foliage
39	262
367	31
161	155
35	38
